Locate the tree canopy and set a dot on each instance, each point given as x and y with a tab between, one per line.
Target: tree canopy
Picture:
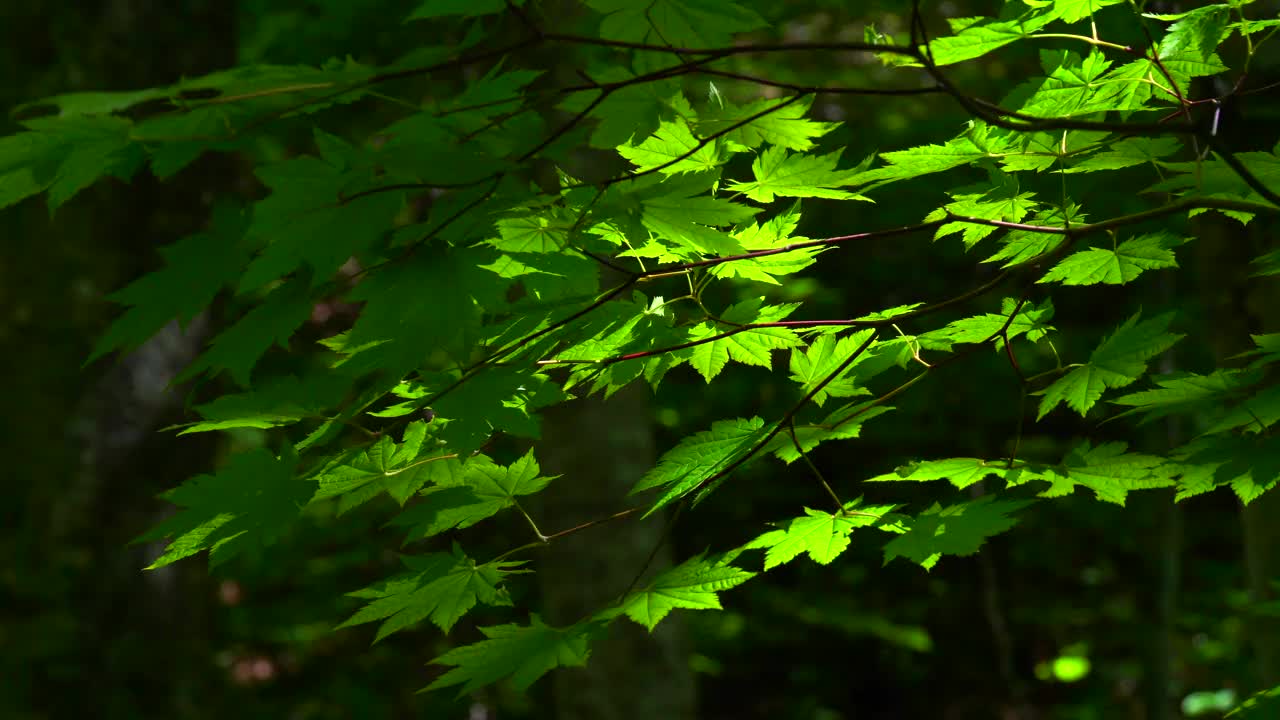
543	203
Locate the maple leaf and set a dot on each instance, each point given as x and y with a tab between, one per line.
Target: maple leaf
776	232
1250	464
1118	361
275	401
238	348
691	585
1107	470
685	23
672	140
1031	320
980	36
463	494
954	530
524	653
1117	266
962	472
924	160
438	586
842	423
1021	246
778	173
700	456
400	469
413	309
1127	153
1186	392
1001	199
248	503
823	357
307	203
66	155
749	347
196	268
822	535
787	126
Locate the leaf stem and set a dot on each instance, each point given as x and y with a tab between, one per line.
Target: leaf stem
791	430
541	538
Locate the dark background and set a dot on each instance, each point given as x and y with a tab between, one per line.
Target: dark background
1153	595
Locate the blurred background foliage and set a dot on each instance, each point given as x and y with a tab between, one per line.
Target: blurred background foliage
1084	611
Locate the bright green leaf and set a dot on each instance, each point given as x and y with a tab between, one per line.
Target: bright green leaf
1120	359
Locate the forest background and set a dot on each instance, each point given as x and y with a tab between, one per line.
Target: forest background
1087	609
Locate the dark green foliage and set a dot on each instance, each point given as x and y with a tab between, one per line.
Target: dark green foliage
495	272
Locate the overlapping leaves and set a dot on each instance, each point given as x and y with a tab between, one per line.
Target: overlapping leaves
441	587
475	296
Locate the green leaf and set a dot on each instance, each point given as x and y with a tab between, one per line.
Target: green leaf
691	585
95	147
1074	87
823	357
495	93
426	305
466	493
700	456
778	173
1214	178
954	530
1186	393
822	535
984	35
1267	350
673	140
1250	464
841	424
1196	32
680	23
630	112
1117	266
1253	414
441	587
524	653
1021	246
1128	153
1077	10
249	503
1120	359
788	126
238	348
749	347
962	472
1267	264
1107	470
664	213
777	232
401	469
497	400
196	268
1259	706
65	156
1031	320
924	160
1000	199
309	219
274	402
